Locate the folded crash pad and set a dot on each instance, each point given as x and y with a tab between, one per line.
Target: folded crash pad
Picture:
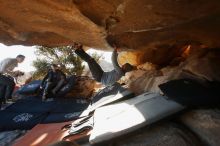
191	93
121	118
69	105
31	106
58	110
61	117
19	120
66	110
108	95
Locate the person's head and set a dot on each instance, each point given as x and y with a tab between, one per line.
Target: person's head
20	58
127	67
54	67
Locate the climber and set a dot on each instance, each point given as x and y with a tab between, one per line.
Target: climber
7	76
53	81
106	78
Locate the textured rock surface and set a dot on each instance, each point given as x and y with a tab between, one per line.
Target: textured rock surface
205	124
166	134
83	88
157	28
155	31
201	64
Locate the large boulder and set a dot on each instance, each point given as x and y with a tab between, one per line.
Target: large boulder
205	124
166	134
201	65
156	29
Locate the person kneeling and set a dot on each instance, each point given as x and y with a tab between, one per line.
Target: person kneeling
53	81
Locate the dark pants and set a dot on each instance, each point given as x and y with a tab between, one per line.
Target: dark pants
56	86
94	67
7	85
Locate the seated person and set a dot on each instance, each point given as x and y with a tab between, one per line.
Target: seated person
106	78
53	81
8	75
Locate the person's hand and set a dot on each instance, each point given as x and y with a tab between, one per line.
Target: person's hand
77	46
115	48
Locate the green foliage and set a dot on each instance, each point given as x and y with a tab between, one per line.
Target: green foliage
41	66
64	56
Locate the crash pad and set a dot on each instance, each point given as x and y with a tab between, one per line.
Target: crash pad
30	88
45	134
118	119
65	110
192	93
19	120
31	106
57	110
108	95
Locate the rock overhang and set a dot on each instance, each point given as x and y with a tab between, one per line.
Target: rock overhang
154	28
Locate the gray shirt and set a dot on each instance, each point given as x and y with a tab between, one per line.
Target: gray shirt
109	78
7	65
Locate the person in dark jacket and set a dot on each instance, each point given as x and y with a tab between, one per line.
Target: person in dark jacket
53	81
106	78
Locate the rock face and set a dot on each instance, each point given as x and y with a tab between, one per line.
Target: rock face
201	64
153	27
166	134
205	123
83	88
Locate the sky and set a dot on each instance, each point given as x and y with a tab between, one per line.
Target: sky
13	51
28	52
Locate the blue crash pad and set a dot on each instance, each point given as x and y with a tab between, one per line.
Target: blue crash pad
19	120
33	111
65	110
33	106
30	88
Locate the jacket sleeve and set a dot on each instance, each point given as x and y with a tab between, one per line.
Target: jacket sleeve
115	62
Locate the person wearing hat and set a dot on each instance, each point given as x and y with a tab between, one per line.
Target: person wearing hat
53	81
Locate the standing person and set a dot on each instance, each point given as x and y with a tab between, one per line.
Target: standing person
53	81
7	75
106	78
